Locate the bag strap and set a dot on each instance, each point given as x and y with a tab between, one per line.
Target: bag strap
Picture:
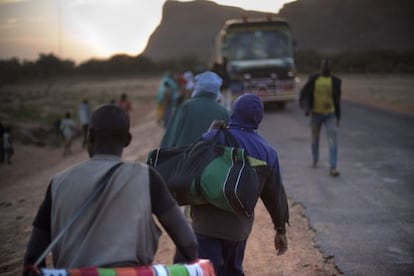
214	140
229	139
97	190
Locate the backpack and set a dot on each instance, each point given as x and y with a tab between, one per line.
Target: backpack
208	173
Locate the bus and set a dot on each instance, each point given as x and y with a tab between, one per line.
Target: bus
256	56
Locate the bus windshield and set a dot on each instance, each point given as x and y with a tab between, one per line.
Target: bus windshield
257	44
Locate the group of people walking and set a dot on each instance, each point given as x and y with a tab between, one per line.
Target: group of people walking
173	91
119	229
68	129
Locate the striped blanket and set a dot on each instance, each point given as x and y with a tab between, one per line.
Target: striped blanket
199	268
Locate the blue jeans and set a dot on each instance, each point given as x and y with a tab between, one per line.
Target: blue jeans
317	120
226	256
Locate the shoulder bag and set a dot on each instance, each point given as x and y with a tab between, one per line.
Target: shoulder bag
206	172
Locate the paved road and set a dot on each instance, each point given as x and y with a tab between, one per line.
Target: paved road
364	218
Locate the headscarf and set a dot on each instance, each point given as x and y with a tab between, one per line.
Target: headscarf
208	82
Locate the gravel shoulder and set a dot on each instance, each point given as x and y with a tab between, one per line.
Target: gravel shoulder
24	183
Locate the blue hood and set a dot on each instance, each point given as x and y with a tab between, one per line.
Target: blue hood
247	112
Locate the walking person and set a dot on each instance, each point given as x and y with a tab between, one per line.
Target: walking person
125	104
84	113
194	116
222	235
8	148
167	84
67	126
117	228
188	76
320	98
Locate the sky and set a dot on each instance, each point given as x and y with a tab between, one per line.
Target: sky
84	29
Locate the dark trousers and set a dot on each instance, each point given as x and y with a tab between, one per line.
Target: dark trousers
226	256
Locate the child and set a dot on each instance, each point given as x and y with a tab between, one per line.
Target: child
84	113
125	104
67	126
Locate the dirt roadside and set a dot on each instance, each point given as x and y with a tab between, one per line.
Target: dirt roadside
23	184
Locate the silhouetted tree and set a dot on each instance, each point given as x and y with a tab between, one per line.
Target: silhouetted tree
9	70
49	65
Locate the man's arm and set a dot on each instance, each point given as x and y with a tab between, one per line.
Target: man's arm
274	198
39	241
171	217
337	97
180	232
305	96
40	237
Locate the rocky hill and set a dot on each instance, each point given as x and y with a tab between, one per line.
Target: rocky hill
189	28
351	25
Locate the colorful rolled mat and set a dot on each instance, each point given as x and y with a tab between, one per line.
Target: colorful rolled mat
199	268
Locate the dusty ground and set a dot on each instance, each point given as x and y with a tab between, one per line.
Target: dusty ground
23	184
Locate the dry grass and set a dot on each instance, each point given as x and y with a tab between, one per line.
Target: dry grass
42	102
389	92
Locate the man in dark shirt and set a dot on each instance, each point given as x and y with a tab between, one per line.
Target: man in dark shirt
116	229
320	98
222	235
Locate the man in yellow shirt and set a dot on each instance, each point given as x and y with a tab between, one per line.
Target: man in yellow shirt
321	99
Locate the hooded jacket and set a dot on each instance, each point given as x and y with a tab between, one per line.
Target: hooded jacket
244	121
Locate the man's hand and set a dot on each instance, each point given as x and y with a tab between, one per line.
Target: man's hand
217	124
281	244
30	270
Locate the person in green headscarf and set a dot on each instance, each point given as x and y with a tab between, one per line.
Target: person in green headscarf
195	115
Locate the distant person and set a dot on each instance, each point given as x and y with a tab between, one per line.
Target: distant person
222	235
7	146
188	76
220	69
226	94
124	103
67	126
118	228
167	104
194	116
84	113
173	87
320	98
58	132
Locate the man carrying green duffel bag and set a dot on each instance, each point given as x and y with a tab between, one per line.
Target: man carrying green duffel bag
222	235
